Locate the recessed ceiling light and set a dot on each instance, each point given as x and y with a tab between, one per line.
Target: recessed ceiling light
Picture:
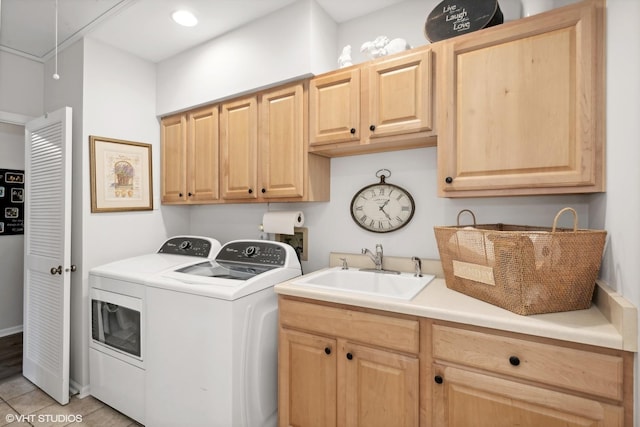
185	18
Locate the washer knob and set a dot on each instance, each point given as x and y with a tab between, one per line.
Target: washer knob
251	251
185	245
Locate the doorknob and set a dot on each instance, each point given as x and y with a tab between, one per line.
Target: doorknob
71	269
55	270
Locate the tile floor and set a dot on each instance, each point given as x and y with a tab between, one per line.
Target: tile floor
24	404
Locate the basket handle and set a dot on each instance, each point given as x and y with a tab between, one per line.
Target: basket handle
575	218
463	211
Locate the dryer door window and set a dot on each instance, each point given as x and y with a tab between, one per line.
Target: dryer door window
116	322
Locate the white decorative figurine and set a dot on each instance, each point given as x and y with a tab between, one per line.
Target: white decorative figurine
382	46
344	60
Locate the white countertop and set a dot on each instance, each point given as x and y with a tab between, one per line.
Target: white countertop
605	324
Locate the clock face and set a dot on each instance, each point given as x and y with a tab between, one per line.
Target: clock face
382	208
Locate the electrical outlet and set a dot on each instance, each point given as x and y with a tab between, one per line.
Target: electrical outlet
298	241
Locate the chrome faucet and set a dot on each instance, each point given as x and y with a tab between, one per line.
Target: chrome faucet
377	258
418	266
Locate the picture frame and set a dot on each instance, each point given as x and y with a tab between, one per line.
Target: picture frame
121	175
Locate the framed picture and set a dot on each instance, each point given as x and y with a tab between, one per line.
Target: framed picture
120	175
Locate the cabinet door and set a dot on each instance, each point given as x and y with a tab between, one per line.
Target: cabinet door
282	142
399	96
381	388
523	108
173	156
239	148
334	107
307	380
202	174
463	398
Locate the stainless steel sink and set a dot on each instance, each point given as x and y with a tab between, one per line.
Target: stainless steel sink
403	286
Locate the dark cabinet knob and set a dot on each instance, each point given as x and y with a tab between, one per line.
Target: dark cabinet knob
514	360
372	128
264	190
438	379
190	194
180	195
448	180
352	130
349	356
250	191
327	350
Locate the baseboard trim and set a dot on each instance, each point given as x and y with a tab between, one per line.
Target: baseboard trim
77	389
10	331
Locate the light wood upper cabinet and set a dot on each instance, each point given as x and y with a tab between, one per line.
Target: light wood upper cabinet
334	107
521	106
385	104
263	141
282	142
189	155
239	148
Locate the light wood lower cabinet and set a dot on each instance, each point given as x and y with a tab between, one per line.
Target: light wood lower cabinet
331	375
340	365
466	398
491	379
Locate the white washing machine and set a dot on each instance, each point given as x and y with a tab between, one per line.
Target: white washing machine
118	341
213	338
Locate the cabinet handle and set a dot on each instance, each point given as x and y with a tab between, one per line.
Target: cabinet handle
180	195
438	379
372	128
327	350
250	191
55	271
352	130
349	356
448	180
190	194
514	360
264	190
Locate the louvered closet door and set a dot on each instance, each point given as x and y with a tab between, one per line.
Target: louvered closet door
47	246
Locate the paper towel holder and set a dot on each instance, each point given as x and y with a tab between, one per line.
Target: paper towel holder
299	241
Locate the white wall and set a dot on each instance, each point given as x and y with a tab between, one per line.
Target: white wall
119	101
282	46
20	98
21	85
11	246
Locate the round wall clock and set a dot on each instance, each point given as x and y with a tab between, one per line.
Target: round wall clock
382	207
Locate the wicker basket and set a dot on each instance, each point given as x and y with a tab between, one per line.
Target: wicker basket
526	270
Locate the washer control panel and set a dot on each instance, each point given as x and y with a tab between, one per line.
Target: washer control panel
253	252
190	246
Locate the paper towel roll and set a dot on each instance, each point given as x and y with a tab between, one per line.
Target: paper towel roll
282	222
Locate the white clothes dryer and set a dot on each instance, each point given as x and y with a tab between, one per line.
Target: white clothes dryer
213	338
118	341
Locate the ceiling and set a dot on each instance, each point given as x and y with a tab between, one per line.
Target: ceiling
142	27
